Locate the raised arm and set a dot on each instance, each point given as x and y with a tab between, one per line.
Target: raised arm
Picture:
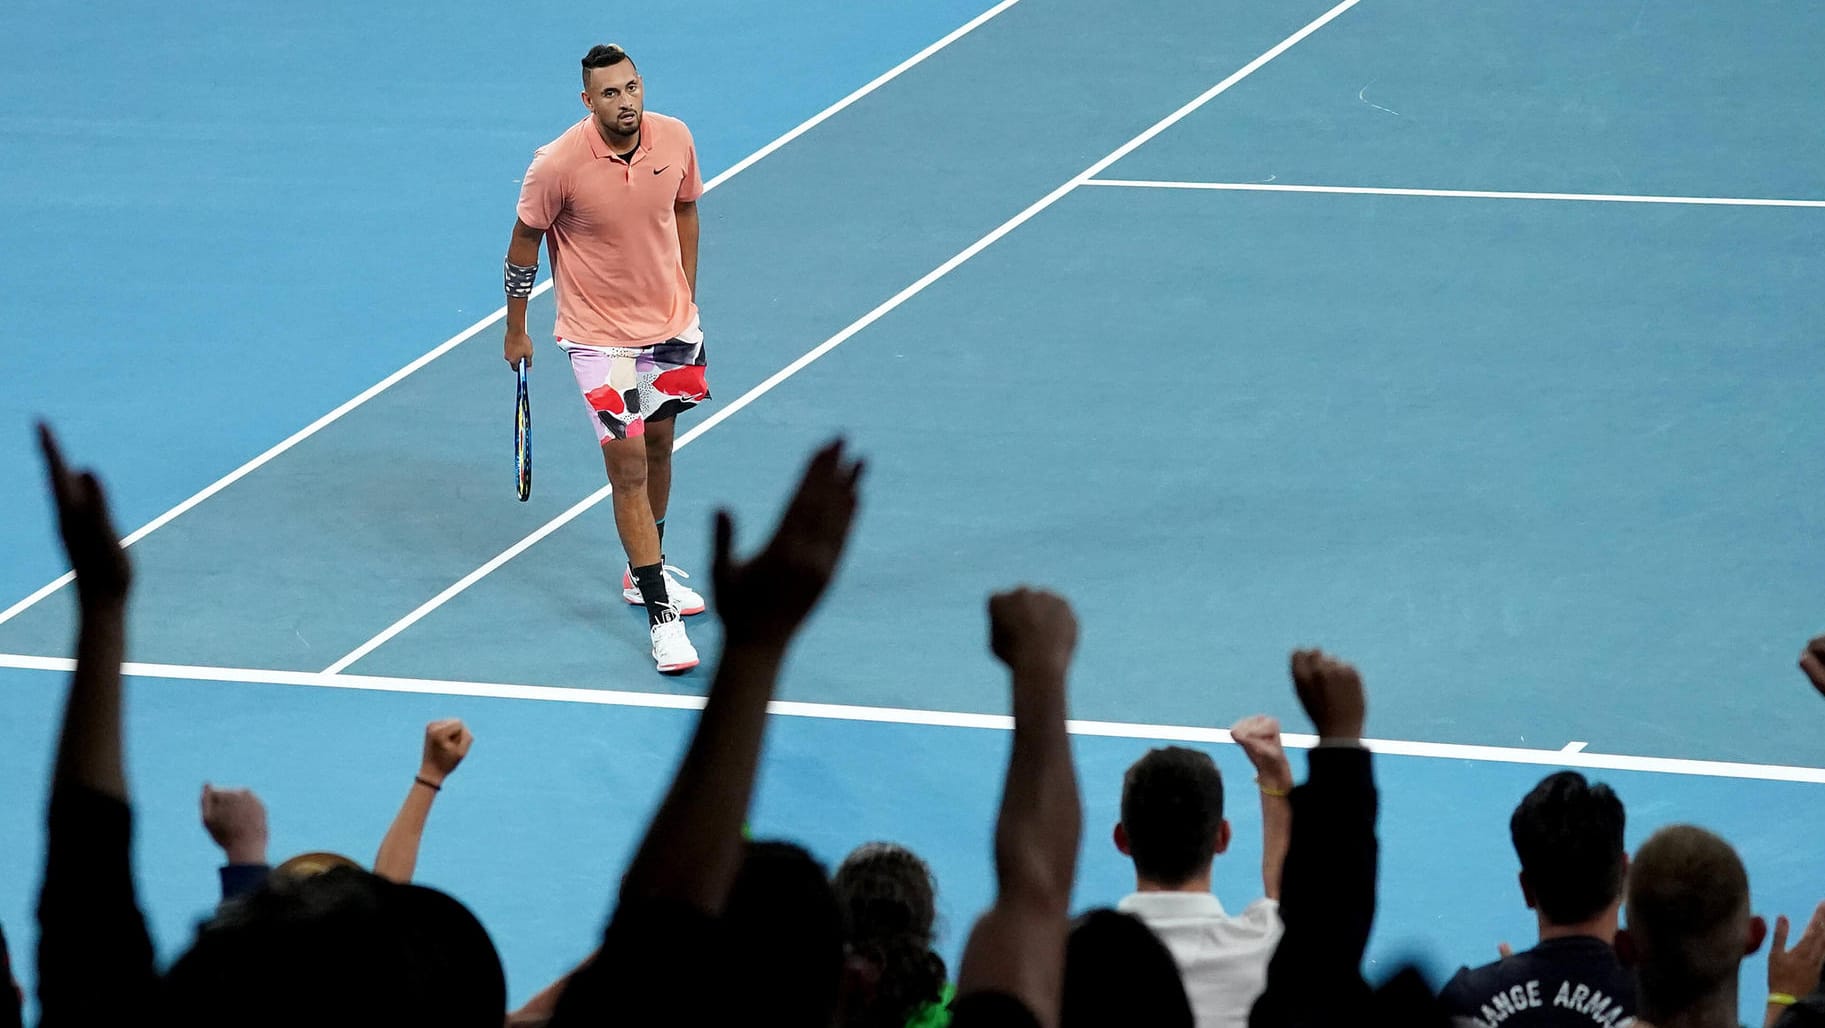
1259	737
1017	950
94	956
236	820
693	847
1328	885
447	742
1793	974
89	749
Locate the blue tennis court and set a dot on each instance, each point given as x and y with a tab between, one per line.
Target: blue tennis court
1475	344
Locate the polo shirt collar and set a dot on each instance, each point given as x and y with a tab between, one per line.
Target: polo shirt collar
1171	905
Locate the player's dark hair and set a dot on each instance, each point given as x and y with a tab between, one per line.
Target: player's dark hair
1568	834
603	55
1172	810
785	933
889	900
1118	972
308	950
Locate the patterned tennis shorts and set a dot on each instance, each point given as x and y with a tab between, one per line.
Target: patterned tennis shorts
627	387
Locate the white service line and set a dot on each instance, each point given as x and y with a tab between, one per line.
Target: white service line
843	336
934	718
1468	194
543	287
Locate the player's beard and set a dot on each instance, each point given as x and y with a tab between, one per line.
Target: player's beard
613	127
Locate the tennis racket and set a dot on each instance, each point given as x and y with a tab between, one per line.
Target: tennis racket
522	437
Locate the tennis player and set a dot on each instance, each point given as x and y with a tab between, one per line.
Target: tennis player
615	196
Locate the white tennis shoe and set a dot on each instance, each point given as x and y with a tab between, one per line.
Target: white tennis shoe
687	600
672	649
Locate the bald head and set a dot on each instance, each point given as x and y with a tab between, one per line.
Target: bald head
1689	924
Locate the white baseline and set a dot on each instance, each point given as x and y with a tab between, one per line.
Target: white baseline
1568	757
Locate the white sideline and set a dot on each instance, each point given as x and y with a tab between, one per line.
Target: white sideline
1470	194
447	345
854	327
1567	757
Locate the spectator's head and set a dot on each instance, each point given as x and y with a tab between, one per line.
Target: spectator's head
304	865
308	950
1568	834
889	900
12	1005
1172	817
1118	972
785	933
1689	925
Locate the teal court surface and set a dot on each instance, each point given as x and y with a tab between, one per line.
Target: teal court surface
1477	343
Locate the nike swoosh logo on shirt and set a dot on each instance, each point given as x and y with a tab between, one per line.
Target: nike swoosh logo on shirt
660	171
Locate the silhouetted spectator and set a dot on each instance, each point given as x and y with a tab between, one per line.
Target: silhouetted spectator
1118	972
667	927
1014	964
345	948
890	902
1327	898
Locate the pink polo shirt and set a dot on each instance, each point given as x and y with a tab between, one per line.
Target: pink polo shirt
612	231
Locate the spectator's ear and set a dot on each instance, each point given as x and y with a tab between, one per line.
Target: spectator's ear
1121	840
1526	893
1626	950
1758	933
1223	837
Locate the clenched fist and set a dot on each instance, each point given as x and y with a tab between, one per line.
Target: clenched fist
1259	737
236	820
1032	630
447	742
1331	693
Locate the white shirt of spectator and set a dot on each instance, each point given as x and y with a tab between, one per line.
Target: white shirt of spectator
1222	959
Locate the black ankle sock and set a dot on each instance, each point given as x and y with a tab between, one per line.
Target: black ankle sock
651	580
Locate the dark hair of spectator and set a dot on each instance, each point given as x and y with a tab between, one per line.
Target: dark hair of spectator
786	931
1118	972
309	950
1172	811
890	905
1568	834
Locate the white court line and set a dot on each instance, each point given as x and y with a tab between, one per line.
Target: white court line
1567	757
1472	194
451	343
837	340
